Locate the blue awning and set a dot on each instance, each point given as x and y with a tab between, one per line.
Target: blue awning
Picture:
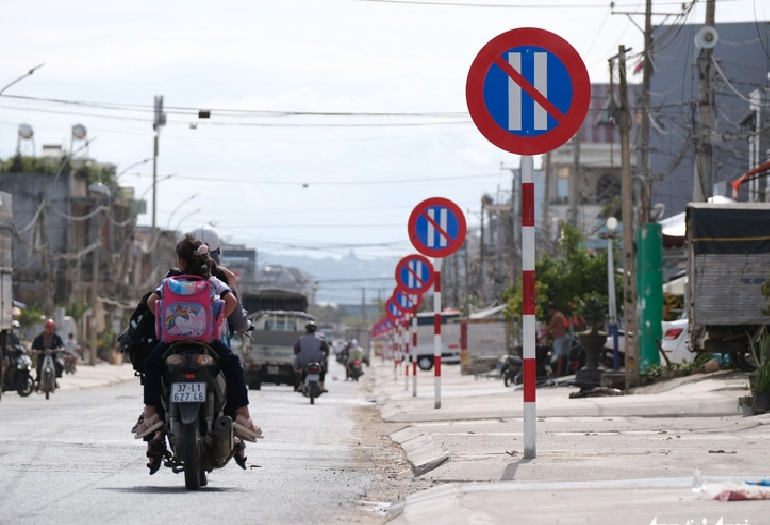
19	304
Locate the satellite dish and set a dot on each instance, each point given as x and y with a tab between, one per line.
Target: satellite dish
25	131
706	38
79	131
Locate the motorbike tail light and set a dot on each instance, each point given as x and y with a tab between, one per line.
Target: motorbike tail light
174	360
357	362
672	333
314	369
189	376
204	360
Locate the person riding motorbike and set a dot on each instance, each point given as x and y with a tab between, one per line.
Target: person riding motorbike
194	259
11	345
48	339
237	321
310	349
354	354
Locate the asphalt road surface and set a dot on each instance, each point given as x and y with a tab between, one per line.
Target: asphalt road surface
72	460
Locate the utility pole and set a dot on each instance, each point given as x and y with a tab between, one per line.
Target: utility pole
467	278
49	288
545	225
481	250
629	274
158	121
644	150
457	278
363	307
574	183
703	150
98	230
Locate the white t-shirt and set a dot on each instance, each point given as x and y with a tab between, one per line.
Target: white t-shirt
71	346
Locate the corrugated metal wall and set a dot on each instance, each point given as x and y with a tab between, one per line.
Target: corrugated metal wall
727	289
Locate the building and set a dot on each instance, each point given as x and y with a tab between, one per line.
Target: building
743	68
240	260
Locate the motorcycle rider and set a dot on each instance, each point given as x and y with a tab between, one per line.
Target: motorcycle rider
11	345
237	321
310	349
194	260
48	339
354	354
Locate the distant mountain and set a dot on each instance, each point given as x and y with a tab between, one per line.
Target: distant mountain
341	281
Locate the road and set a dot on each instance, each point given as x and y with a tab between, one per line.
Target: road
72	460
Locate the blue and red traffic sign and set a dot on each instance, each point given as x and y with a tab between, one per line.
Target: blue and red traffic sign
414	274
392	311
528	91
407	302
437	227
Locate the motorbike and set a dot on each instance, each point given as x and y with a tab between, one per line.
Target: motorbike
69	363
48	381
510	369
311	386
199	434
342	358
356	370
18	375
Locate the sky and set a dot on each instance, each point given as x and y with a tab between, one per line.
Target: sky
379	86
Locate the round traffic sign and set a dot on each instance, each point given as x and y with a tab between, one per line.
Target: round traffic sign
406	302
393	312
437	227
414	274
528	91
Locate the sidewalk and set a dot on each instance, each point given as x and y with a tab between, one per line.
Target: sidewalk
622	459
99	376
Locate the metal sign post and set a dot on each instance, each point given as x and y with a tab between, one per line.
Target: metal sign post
437	229
528	92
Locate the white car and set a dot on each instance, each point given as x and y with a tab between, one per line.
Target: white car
676	341
676	335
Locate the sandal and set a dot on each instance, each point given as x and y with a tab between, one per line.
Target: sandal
148	426
245	429
155	452
240	454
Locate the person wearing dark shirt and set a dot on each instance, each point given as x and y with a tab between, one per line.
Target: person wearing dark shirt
49	339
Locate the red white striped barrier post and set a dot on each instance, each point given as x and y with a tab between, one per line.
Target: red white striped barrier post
414	356
407	354
528	268
437	332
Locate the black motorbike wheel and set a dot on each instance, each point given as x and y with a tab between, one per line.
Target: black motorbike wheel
192	460
25	388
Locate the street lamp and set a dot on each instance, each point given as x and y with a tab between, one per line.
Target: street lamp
184	201
117	177
149	188
101	191
194	212
612	225
25	75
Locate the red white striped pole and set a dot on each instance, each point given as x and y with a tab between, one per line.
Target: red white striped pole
437	332
414	356
528	268
406	352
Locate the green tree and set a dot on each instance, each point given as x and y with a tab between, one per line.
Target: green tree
30	315
563	279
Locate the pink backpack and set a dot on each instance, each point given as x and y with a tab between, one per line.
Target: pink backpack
188	310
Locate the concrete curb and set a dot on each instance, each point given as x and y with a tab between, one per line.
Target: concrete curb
421	451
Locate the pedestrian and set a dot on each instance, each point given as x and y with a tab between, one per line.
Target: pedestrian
557	329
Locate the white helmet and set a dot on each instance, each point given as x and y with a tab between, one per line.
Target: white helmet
209	236
15	324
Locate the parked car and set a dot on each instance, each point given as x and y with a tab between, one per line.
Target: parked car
676	339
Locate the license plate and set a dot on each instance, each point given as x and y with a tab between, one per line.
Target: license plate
272	370
188	392
313	377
